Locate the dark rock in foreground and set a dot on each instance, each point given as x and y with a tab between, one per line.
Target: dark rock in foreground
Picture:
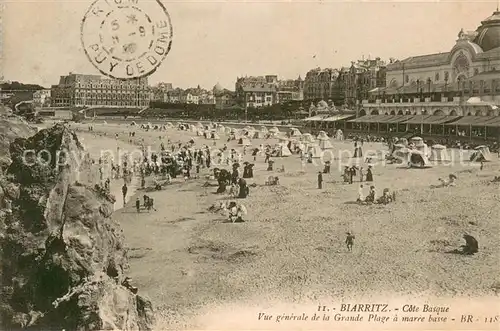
63	260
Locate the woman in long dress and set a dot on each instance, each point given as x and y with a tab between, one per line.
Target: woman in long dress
369	174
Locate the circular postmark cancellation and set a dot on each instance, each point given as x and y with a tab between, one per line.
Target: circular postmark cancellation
126	39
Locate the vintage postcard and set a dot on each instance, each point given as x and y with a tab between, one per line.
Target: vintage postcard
249	165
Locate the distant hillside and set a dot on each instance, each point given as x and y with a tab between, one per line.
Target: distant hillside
16	86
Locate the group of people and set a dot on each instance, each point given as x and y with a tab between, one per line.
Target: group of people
351	172
371	198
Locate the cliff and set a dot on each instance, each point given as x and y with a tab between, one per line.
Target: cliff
63	257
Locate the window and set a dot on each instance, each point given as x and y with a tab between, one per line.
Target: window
446	75
476	71
437	77
407	78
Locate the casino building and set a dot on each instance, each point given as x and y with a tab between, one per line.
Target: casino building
455	92
78	90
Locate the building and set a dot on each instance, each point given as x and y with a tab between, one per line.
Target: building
191	96
223	98
291	90
462	81
174	96
41	98
262	91
361	77
92	90
324	84
160	92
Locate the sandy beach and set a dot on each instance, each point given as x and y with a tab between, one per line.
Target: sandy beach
291	249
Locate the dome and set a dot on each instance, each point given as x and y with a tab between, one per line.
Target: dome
218	88
488	34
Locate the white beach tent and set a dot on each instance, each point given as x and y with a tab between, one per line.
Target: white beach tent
325	144
274	130
258	135
199	125
169	125
213	135
339	135
322	135
417	141
263	129
418	159
315	150
481	153
133	123
284	151
227	130
424	149
307	138
324	141
439	153
221	129
295	133
244	141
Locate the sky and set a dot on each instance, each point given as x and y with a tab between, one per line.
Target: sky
216	41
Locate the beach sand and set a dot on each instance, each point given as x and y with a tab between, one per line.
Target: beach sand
291	249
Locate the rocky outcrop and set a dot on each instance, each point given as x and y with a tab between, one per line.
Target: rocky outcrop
63	260
11	127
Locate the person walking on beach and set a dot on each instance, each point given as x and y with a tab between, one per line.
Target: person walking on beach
124	192
138	205
320	180
349	240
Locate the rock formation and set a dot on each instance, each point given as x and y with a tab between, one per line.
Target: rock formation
63	258
11	127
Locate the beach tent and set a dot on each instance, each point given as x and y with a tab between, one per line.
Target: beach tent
199	125
221	129
418	159
213	135
325	144
324	141
339	135
396	148
417	141
439	153
263	129
244	141
403	141
169	125
481	153
193	128
274	130
307	138
227	130
295	133
133	123
258	135
322	135
315	150
284	151
423	148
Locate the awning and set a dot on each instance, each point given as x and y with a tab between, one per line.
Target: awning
315	118
373	119
473	120
398	118
336	118
493	123
430	119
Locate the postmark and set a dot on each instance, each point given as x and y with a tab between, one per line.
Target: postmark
126	39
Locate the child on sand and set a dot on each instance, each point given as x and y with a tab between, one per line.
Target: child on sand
349	240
